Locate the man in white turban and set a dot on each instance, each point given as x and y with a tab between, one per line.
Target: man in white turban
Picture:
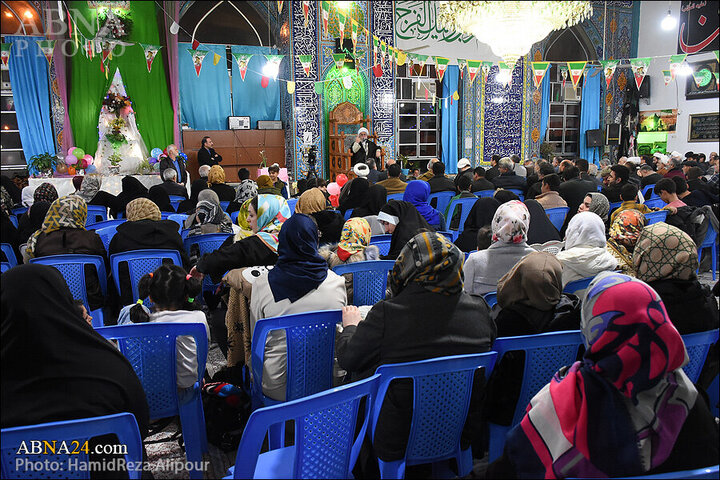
362	148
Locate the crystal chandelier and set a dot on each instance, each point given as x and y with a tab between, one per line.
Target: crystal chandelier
511	28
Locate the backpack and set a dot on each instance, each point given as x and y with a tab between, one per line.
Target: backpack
227	408
694	221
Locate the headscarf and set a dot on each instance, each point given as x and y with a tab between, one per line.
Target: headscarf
417	192
311	201
216	175
90	187
245	191
161	198
599	205
626	229
264	181
357	195
36	215
504	196
430	260
272	212
242	221
46	192
142	209
65	212
28	196
355	237
6	201
132	188
535	281
481	214
663	252
575	426
377	197
408	223
209	212
541	229
510	223
299	268
585	229
302	185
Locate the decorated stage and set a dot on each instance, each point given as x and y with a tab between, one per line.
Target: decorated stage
110	183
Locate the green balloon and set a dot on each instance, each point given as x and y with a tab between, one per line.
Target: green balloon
79	152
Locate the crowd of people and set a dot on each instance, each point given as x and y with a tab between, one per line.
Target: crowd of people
625	408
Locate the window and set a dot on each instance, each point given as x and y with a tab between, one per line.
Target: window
418	119
11	152
564	121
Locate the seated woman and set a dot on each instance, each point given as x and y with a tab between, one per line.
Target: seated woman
355	194
63	231
330	222
427	315
624	233
91	193
216	182
161	198
377	198
209	216
265	186
541	229
481	214
666	258
299	282
403	222
27	195
132	188
246	190
32	220
189	205
626	409
94	380
483	269
417	192
597	203
46	192
585	254
354	247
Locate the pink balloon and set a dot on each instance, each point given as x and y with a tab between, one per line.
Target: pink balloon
88	158
71	159
333	188
86	162
71	150
341	179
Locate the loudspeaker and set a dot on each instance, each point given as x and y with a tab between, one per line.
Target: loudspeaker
612	134
645	87
594	138
346	45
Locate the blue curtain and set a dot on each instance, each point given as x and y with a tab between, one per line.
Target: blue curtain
449	115
31	93
204	100
249	98
544	105
590	113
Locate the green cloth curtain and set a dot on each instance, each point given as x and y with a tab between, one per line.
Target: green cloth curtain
148	91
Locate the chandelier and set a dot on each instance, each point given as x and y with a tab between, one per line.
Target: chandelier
511	28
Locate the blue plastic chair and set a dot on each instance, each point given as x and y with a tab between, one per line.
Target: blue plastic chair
72	268
379	238
106	223
465	204
648	189
291	204
557	216
707	472
599	188
7	249
447	234
151	350
207	243
224	205
325	442
95	214
382	242
395	196
443	200
139	263
106	234
441	398
123	425
369	280
4	267
577	286
545	354
491	298
697	346
234	216
14	220
711	243
348	213
615	205
17	211
178	218
655	202
485	193
175	201
517	192
655	217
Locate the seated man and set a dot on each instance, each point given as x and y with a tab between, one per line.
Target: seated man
648	176
429	173
374	175
550	198
619	176
544	169
628	195
170	184
393	184
696	198
463	169
508	178
480	182
667	191
464	185
362	148
439	182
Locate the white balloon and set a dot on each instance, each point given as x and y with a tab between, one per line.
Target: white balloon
174	28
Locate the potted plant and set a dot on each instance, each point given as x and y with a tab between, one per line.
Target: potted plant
115	160
546	150
43	163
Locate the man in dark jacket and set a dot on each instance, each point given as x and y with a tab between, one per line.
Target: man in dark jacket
439	182
508	178
374	176
480	182
170	184
463	170
175	161
536	188
648	176
206	154
619	176
493	171
573	189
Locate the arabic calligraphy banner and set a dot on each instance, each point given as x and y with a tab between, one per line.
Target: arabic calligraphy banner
699	27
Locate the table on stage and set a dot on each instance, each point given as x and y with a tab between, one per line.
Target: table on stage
111	184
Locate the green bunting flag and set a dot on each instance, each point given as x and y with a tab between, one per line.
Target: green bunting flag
325	6
422	59
507	69
462	65
150	51
47	47
486	66
5	53
242	59
473	67
675	62
539	69
197	57
609	67
667	76
354	33
274	60
640	68
441	64
306	62
339	59
576	70
376	46
341	26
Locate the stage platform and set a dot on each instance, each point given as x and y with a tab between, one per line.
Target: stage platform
110	183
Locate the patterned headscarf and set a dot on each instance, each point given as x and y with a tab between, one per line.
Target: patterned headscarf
355	237
142	209
599	205
626	228
430	260
46	192
245	191
510	223
242	221
311	201
90	187
216	175
272	212
6	201
65	212
664	251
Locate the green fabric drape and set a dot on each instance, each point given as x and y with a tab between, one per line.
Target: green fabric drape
148	91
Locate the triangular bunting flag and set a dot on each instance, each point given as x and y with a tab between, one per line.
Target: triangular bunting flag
319	87
242	60
339	59
675	62
195	44
576	71
609	67
485	69
325	16
700	79
401	57
306	62
341	26
306	10
473	67
411	63
433	98
563	74
354	34
89	51
422	59
274	61
462	65
539	69
106	50
640	68
47	47
280	5
5	53
216	58
291	87
441	64
383	50
377	70
667	76
507	68
456	96
197	57
150	52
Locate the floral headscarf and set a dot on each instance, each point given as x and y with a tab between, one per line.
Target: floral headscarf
46	192
626	228
90	187
242	221
355	237
510	223
142	209
272	212
216	175
664	251
65	212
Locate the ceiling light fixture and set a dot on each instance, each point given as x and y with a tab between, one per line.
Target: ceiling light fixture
669	22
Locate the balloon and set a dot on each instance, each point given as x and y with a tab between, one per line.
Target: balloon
341	179
84	162
71	159
334	200
89	158
156	152
79	153
152	160
71	150
156	167
91	169
333	188
71	171
183	156
61	168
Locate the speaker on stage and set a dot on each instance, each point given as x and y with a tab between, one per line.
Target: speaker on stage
594	138
612	134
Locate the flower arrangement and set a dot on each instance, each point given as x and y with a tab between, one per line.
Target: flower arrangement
115	159
115	137
117	104
144	168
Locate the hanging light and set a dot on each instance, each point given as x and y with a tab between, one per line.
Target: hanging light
174	28
669	22
344	6
684	70
271	70
503	76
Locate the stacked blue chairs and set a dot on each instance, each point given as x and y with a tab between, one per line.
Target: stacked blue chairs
517	192
655	217
485	193
151	350
465	204
648	191
7	249
72	268
557	216
4	267
14	220
95	214
176	200
655	202
697	346
106	235
224	205
382	242
178	218
369	280
17	211
711	243
615	205
207	243
139	263
442	200
348	213
577	287
706	472
291	204
325	445
545	354
106	223
395	196
123	425
442	389
467	254
491	298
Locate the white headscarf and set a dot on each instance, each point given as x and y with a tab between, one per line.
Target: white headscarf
27	196
586	229
585	254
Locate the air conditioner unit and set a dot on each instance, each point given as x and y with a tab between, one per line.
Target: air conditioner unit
570	93
421	86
